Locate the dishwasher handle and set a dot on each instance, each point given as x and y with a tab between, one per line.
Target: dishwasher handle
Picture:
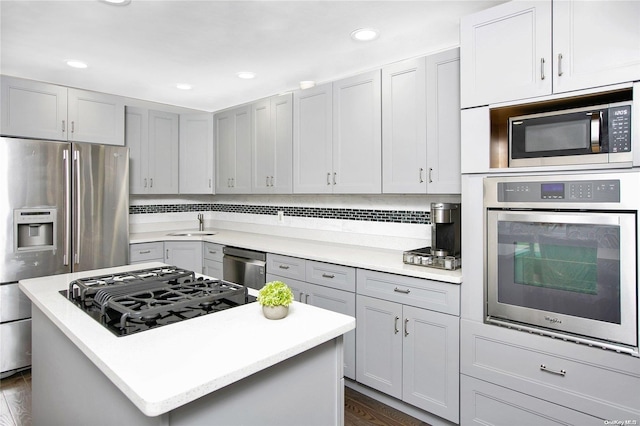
244	253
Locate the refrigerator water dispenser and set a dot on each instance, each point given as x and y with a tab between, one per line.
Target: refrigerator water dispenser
34	229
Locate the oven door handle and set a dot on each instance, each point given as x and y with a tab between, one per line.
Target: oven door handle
556	217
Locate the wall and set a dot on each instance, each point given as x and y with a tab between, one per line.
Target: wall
398	222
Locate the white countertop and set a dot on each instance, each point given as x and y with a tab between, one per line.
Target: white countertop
211	351
342	254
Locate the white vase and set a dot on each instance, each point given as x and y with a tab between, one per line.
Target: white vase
275	312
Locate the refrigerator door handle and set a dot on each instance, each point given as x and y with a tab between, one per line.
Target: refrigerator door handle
78	170
67	207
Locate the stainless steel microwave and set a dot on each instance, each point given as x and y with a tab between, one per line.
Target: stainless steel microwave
591	135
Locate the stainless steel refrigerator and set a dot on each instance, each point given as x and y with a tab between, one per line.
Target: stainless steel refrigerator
65	208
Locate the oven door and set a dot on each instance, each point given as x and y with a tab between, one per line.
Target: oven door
569	272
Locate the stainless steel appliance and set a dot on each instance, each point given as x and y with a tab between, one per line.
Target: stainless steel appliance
590	135
561	256
141	300
245	267
65	207
446	232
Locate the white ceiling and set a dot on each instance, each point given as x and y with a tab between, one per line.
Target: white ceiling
143	49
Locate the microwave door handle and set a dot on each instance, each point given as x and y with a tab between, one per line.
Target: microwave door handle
596	119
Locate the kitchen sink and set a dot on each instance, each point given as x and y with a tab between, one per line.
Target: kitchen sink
192	233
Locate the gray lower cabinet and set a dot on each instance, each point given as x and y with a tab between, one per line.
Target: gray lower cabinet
598	383
406	351
212	259
483	403
146	252
335	293
184	254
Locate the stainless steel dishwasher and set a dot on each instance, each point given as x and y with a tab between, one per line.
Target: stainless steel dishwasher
246	267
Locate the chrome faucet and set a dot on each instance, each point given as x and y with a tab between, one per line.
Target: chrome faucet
200	222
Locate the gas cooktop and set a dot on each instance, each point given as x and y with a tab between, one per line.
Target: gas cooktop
136	301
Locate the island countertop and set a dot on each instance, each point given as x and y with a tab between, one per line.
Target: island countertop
208	352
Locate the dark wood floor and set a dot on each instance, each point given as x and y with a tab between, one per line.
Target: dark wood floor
359	409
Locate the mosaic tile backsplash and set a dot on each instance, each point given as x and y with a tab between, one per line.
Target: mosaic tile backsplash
392	216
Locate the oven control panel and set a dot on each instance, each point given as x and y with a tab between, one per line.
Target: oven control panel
587	191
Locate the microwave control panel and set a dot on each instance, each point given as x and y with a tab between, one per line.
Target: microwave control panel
586	191
620	129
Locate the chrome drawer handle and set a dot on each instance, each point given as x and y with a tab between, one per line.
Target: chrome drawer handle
212	252
145	251
397	290
406	332
395	326
559	373
283	266
328	275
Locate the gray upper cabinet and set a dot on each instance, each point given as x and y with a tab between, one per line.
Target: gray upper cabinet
421	125
357	139
196	154
232	129
272	145
525	49
443	123
313	140
46	111
153	141
404	127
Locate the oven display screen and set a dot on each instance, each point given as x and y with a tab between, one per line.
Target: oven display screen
552	190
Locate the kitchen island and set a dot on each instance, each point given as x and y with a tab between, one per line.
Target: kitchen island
230	367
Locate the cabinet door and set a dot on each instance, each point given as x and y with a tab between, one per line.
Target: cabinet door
357	136
95	117
163	152
196	154
312	140
506	53
137	140
233	151
33	109
263	145
595	43
184	254
443	122
431	361
379	345
404	126
282	130
343	302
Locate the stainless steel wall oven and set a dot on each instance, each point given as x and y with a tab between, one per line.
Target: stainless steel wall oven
562	256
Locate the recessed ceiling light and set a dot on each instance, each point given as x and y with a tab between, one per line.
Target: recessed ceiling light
365	34
184	86
247	75
116	2
76	64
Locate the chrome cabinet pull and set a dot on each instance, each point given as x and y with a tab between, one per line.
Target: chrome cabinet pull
271	180
430	172
421	172
334	177
300	298
283	266
328	275
542	69
63	128
559	373
145	182
151	180
233	182
212	252
406	331
267	181
395	326
397	290
144	252
306	299
328	178
167	254
73	126
560	65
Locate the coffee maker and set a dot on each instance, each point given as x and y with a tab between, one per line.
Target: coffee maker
444	252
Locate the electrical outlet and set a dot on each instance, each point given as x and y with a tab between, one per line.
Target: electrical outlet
280	216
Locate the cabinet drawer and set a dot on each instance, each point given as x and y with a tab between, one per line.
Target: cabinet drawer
590	380
330	275
213	252
146	252
427	294
212	268
286	266
483	403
